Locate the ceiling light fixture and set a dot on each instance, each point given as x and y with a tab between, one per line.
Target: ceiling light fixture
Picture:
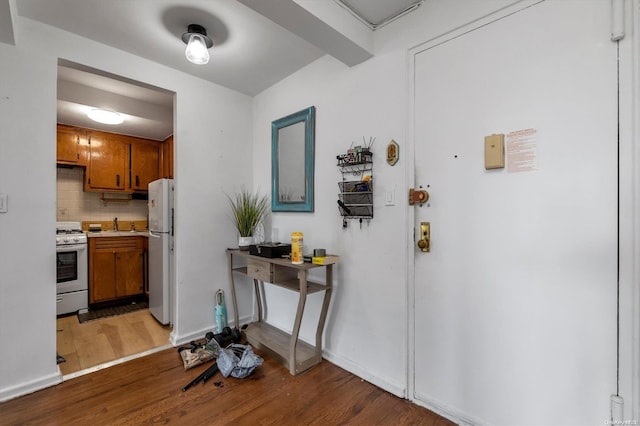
197	44
105	116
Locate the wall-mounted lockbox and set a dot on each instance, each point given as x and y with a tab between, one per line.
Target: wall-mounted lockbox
494	152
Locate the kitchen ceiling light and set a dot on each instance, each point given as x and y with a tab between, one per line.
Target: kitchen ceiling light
197	44
105	116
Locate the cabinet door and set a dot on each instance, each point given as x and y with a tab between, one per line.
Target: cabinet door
145	156
167	158
103	275
129	272
107	162
71	145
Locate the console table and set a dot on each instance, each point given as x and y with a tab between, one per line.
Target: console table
297	355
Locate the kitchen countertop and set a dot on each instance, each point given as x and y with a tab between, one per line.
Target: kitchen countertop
141	233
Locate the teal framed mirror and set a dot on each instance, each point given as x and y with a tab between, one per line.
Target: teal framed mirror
292	159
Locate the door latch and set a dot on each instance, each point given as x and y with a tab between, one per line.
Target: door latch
424	243
419	196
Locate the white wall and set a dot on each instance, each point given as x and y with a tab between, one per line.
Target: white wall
27	246
367	326
212	143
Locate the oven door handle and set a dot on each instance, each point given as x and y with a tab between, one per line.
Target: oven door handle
71	247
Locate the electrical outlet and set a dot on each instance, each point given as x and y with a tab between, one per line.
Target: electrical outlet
3	203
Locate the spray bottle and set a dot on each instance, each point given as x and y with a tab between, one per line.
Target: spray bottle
221	312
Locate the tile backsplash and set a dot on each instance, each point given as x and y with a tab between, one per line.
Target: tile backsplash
73	204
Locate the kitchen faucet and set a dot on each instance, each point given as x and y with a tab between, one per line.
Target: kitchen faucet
115	224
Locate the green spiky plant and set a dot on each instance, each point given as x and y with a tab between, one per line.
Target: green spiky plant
248	210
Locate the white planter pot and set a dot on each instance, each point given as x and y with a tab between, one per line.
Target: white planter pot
245	242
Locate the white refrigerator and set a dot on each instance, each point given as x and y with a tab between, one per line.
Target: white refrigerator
161	250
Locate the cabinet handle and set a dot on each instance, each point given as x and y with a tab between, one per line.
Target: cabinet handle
117	180
137	181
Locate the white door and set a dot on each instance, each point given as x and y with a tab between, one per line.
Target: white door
515	305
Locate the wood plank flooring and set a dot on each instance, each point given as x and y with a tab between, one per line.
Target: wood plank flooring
148	390
97	342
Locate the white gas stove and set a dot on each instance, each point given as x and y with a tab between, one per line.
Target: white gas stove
72	265
70	233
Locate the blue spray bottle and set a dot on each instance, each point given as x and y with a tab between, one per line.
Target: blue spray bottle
221	312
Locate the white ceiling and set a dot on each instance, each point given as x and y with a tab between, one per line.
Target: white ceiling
376	14
256	43
147	111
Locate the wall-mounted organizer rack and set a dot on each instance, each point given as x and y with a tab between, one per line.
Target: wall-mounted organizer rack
355	199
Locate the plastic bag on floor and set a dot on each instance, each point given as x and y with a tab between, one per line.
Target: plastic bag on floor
238	361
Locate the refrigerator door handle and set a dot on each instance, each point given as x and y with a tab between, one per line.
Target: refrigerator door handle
151	234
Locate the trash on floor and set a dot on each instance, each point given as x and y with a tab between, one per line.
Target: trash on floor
238	361
199	353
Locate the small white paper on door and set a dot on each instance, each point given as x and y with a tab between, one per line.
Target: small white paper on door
522	150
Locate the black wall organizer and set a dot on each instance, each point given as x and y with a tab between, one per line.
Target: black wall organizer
355	199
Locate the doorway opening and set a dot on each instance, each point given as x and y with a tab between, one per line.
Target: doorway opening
103	173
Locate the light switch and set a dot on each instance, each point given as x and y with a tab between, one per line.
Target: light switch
390	197
3	203
494	152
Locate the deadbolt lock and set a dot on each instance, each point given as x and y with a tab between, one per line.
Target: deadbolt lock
419	196
424	243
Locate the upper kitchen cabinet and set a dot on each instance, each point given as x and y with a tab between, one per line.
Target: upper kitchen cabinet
108	162
119	163
145	159
71	146
166	163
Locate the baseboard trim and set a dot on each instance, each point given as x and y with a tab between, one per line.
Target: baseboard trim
438	407
30	387
396	389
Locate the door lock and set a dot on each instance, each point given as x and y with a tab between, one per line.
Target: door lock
424	243
418	196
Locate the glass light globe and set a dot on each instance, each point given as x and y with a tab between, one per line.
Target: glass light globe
197	51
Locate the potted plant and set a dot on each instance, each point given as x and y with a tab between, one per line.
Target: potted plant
248	210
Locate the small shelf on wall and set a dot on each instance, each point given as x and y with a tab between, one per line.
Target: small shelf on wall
355	197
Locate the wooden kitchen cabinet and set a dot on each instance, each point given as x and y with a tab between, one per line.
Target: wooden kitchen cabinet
166	160
116	268
71	145
145	161
108	162
120	163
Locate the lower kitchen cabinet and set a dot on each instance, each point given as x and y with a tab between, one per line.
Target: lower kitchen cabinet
116	268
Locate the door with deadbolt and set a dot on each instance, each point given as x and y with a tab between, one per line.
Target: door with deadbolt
515	295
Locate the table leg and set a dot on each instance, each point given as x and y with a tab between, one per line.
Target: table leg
256	288
236	321
297	322
325	308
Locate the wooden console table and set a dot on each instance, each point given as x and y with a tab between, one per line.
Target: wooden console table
297	355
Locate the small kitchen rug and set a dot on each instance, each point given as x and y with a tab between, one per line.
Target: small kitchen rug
112	311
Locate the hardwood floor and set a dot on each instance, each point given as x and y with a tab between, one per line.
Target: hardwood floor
97	342
148	390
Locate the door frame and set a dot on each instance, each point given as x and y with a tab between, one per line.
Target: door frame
628	215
